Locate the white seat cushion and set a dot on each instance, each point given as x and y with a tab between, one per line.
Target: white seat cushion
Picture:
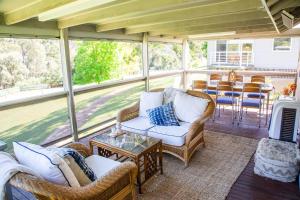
101	165
150	100
139	125
172	135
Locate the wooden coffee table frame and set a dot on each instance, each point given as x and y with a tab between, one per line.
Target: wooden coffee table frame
147	161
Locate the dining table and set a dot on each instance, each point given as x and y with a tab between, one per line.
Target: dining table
266	88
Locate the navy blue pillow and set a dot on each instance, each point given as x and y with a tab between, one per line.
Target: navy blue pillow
79	159
163	115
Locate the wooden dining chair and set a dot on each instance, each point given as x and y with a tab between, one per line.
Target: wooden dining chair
199	85
225	100
260	80
247	102
213	78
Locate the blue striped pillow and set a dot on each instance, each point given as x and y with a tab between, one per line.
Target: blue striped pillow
163	115
79	159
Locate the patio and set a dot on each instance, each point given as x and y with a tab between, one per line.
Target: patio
68	67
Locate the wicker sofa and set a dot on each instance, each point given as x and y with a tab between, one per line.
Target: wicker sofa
117	184
192	140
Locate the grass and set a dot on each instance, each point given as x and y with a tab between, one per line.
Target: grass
34	123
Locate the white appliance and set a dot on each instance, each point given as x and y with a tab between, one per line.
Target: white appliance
284	122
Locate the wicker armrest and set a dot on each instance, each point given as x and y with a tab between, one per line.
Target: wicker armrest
81	148
128	113
119	179
198	126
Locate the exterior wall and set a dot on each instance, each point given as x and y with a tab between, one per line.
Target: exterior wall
265	57
211	48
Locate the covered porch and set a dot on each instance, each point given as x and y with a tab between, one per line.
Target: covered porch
144	45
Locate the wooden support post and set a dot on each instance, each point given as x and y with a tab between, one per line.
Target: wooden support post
185	57
67	73
146	60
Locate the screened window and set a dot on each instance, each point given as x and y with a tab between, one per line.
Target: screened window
38	123
29	68
95	62
164	57
282	44
221	45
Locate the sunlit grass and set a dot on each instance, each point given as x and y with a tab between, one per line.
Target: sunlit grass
34	123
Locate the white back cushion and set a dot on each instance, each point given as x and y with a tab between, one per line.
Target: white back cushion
170	93
150	100
189	108
45	162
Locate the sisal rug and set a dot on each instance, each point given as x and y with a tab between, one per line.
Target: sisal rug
211	172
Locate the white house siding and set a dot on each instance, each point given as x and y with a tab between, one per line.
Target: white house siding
265	57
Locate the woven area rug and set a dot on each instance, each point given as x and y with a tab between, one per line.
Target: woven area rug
211	172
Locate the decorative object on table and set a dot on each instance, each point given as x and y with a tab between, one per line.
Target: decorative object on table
3	145
115	131
231	76
284	119
289	90
278	160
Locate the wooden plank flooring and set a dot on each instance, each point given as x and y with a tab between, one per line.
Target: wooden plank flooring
248	186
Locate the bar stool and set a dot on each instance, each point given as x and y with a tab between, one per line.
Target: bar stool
251	102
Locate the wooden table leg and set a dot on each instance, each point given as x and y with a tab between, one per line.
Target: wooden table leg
91	148
160	159
267	107
139	181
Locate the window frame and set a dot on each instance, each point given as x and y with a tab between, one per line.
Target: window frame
273	45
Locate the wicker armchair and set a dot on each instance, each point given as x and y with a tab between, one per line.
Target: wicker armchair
118	184
194	139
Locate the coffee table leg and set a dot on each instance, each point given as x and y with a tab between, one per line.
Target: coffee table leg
139	181
160	159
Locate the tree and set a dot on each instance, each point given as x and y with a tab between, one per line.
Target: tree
198	53
164	56
95	61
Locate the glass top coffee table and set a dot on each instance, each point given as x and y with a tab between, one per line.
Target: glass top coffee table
145	151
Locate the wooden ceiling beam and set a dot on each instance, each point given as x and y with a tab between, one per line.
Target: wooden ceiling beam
271	2
235	17
220	9
284	5
74	7
129	9
232	26
216	30
270	15
32	10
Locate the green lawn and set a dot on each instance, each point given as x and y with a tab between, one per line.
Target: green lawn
34	123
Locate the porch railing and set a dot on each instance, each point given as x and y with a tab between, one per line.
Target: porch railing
231	58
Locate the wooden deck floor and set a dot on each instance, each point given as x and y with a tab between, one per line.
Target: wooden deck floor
248	186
